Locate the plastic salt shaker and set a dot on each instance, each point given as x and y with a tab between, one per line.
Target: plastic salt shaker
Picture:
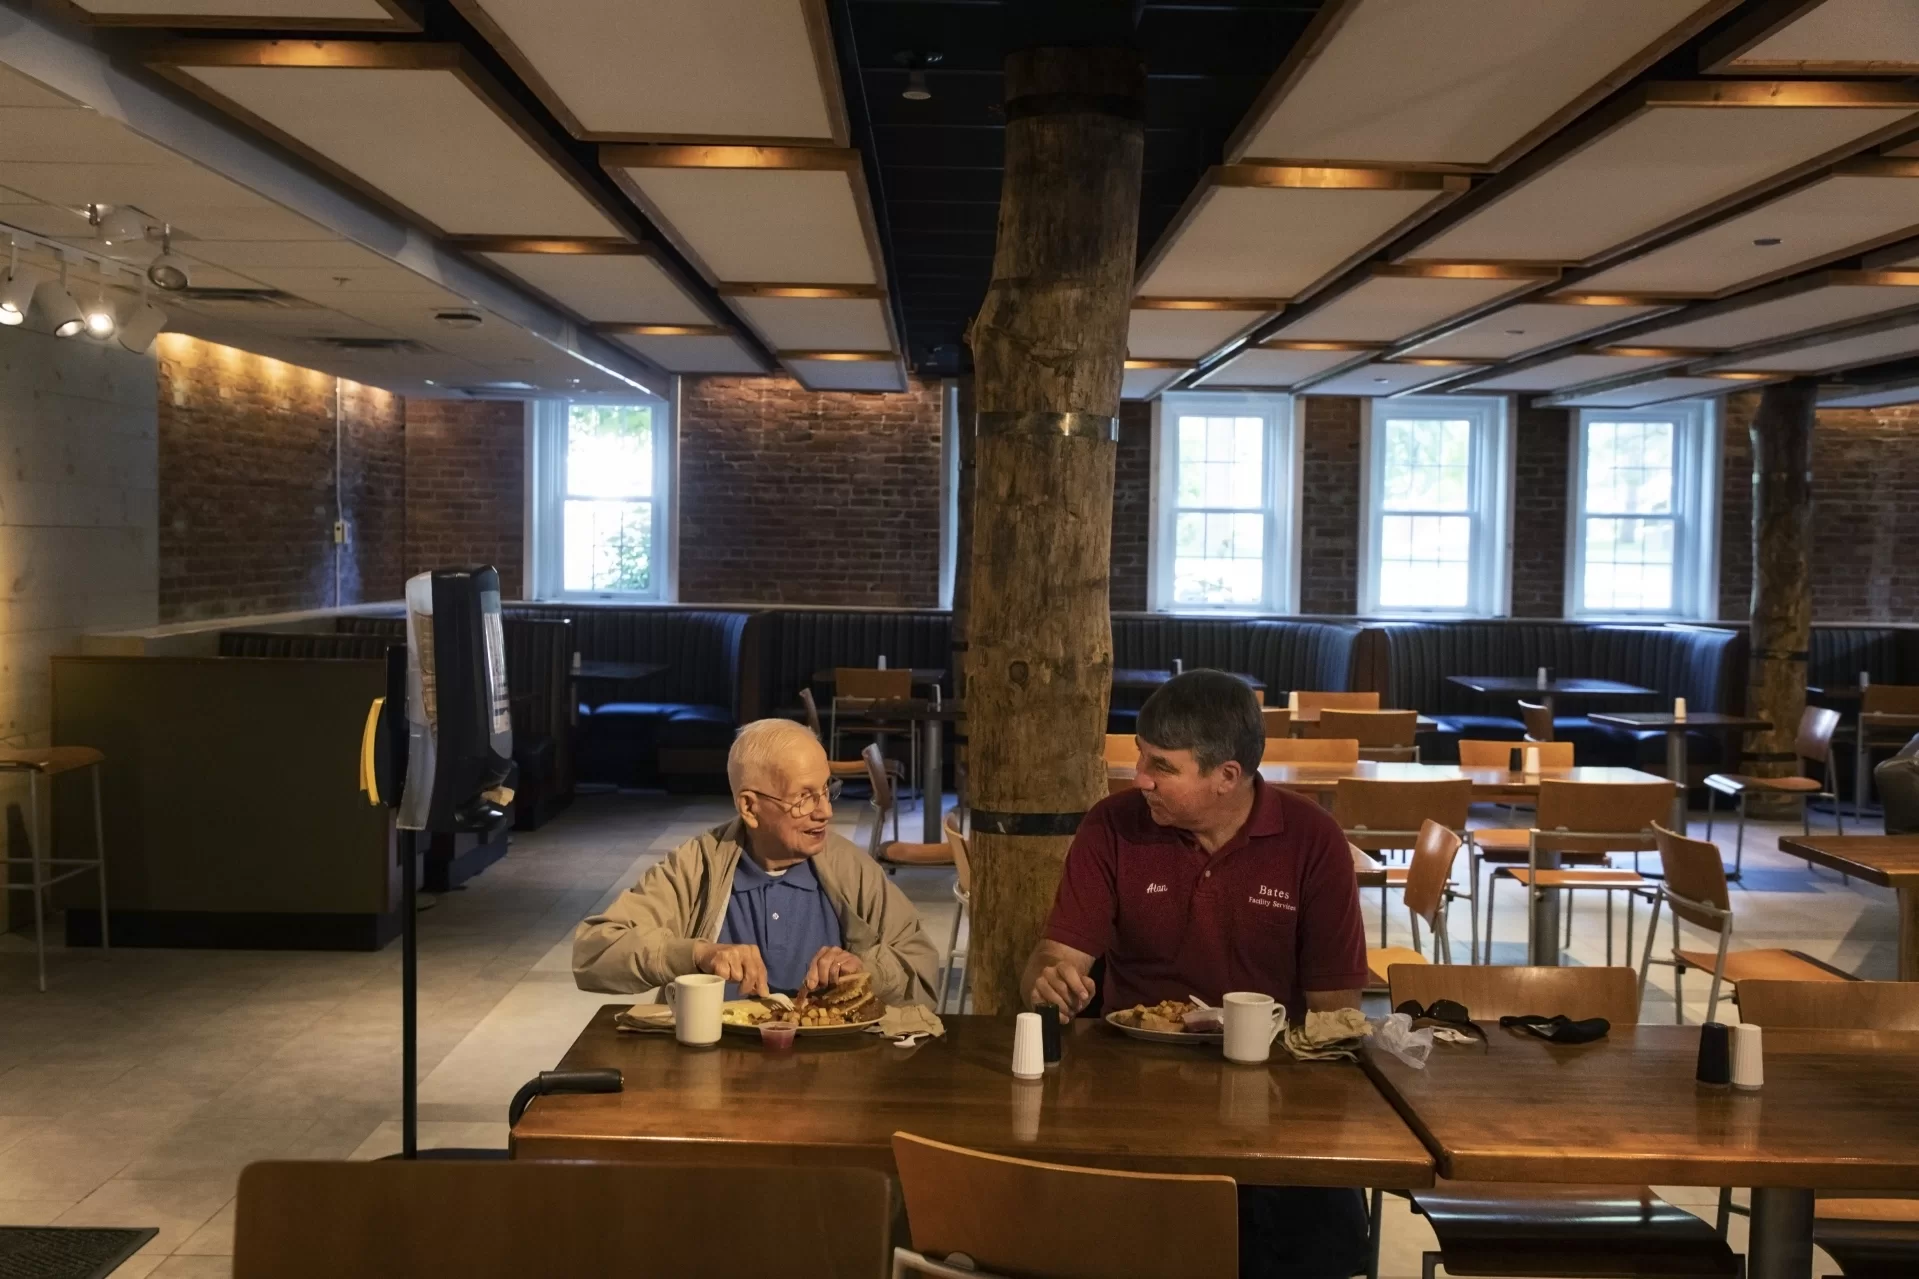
1748	1057
1029	1055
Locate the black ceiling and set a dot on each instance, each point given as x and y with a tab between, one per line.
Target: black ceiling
935	164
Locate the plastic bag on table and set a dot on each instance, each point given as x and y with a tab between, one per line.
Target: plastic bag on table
1396	1035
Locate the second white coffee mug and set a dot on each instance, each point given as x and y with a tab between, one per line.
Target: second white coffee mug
1253	1021
695	1000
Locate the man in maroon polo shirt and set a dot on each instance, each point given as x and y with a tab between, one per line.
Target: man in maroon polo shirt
1203	879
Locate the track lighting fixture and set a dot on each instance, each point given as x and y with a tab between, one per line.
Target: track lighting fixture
124	225
140	323
16	289
169	270
63	314
101	321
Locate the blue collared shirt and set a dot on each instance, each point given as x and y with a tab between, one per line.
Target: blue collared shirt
787	916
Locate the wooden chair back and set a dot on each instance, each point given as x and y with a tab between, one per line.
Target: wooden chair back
1538	719
1310	750
871	684
962	846
1363	806
1368	728
1694	871
1622	813
1338	701
1816	727
1478	754
1122	748
1118	785
880	780
1018	1217
1491	992
812	713
1279	721
1259	696
318	1219
1890	699
1432	865
1831	1005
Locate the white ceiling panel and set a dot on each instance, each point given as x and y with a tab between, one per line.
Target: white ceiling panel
700	354
817	324
422	138
1662	163
1572	370
1275	240
17	90
1796	312
746	221
1905	391
307	15
1186	334
846	375
1530	326
62	134
1453	81
1837	37
1834	217
690	70
1265	366
243	254
1385	378
323	282
1395	303
1145	383
1653	391
1842	353
625	287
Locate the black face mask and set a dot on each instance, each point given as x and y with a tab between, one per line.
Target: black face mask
1559	1029
1445	1013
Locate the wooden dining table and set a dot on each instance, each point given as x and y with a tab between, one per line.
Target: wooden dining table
1890	861
1112	1102
1424	724
1488	783
1838	1112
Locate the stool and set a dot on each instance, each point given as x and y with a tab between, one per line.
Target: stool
48	761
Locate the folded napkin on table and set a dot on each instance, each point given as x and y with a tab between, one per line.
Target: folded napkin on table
909	1019
645	1017
1330	1036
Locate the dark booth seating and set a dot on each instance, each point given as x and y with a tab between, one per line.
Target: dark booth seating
1705	665
787	646
1285	655
1888	655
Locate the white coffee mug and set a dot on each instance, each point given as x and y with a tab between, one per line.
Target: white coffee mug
1253	1022
695	1000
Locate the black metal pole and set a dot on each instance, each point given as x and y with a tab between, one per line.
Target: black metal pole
409	999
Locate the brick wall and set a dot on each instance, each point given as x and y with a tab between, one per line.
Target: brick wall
1329	525
465	481
1132	507
1541	455
1735	505
794	496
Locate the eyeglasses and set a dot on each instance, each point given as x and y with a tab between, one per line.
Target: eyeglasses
806	801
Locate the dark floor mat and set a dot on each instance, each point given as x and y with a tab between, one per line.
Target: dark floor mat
66	1252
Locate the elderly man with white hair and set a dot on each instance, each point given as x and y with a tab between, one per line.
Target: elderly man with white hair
772	900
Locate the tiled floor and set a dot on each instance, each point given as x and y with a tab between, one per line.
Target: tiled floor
137	1087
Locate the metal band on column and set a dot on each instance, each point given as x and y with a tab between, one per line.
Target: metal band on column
1085	426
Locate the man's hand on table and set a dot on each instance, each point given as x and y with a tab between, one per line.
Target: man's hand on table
830	965
741	964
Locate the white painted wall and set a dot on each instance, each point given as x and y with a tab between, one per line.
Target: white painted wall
79	510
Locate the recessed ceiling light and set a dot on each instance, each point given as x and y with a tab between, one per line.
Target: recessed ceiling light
431	382
1766	241
1515	333
1382	380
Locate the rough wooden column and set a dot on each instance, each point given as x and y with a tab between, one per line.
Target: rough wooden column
1781	581
1048	345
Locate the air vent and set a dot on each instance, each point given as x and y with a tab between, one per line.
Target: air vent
395	346
241	300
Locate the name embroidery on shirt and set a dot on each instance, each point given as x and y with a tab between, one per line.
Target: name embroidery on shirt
1157	888
1273	898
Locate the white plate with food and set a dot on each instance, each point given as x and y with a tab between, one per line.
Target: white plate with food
1170	1021
846	1007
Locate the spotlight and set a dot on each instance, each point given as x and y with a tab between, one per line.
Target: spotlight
140	323
169	270
125	225
63	314
16	290
916	90
101	322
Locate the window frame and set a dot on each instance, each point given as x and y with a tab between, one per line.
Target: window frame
1490	480
1281	491
546	522
1697	459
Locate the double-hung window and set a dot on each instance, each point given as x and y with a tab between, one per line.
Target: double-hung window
601	518
1644	507
1225	503
1436	532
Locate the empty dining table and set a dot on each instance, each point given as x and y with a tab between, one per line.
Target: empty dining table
1676	727
1890	861
1488	783
1837	1112
1548	691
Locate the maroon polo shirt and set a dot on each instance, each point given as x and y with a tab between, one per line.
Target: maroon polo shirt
1276	909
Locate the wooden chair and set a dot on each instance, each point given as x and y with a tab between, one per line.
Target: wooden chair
1046	1221
1378	816
1538	719
841	768
1428	893
1383	735
1581	821
1554	1232
895	853
855	690
961	847
507	1219
1480	754
1338	701
1122	748
1868	1235
1310	750
1814	742
1695	888
1279	721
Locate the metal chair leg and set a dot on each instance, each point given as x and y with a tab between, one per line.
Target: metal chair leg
1739	847
1492	886
1609	930
946	970
1678	976
100	851
1724	1219
1712	805
1375	1226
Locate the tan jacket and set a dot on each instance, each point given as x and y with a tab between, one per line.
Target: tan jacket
646	938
